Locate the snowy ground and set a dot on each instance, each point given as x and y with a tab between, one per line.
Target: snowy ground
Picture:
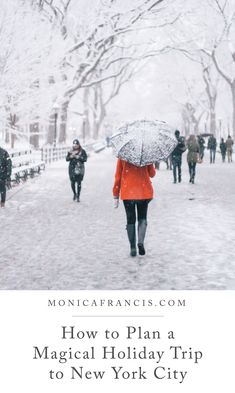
50	242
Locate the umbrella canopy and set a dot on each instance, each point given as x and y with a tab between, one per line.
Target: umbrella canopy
144	142
206	134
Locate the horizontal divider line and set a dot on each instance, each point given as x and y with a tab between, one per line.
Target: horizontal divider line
117	316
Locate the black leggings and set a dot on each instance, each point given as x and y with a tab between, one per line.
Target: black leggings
142	209
3	190
192	169
76	179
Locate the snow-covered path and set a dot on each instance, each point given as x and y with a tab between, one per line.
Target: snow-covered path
50	242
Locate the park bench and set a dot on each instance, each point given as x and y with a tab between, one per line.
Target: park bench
25	164
99	146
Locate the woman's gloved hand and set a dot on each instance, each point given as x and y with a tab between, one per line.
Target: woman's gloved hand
115	203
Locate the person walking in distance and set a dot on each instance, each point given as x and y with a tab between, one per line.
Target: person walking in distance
176	156
201	142
223	149
229	147
76	157
134	187
212	144
5	174
192	156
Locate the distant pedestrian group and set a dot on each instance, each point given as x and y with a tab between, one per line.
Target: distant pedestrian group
227	147
196	148
193	156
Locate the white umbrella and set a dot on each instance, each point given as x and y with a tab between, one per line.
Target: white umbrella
144	142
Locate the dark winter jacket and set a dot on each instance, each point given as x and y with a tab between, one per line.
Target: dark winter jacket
76	162
201	142
179	149
5	165
223	147
212	143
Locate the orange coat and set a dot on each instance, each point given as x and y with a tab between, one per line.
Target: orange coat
133	182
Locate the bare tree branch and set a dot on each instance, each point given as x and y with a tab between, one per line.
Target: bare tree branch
222	73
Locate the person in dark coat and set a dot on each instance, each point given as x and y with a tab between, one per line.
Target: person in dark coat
176	156
223	149
212	144
76	157
5	174
201	142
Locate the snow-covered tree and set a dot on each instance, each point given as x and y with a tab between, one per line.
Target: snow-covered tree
95	38
210	41
27	62
223	52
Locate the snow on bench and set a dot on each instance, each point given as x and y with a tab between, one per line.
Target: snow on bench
99	146
25	163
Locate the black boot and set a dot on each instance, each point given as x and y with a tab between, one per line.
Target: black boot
141	249
78	192
132	238
142	226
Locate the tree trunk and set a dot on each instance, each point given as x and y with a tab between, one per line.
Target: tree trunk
102	111
212	122
187	128
98	123
211	92
13	138
195	127
12	124
63	122
51	129
7	137
95	128
86	123
86	130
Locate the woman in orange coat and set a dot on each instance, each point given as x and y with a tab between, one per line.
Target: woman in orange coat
134	187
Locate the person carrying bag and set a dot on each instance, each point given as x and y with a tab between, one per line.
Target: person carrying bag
76	158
